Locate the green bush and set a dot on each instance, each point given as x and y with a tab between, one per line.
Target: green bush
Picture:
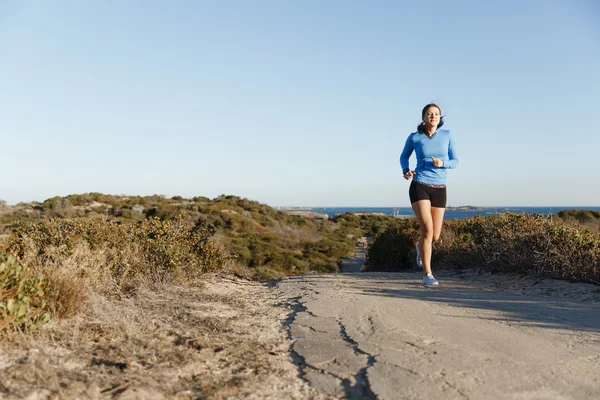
507	242
392	249
22	296
255	234
159	250
581	218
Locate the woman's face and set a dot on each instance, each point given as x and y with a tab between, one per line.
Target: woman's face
432	116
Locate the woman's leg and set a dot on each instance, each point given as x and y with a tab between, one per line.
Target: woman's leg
422	209
437	216
438	207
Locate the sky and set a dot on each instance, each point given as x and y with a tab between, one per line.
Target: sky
298	103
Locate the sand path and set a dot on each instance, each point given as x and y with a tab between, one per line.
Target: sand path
385	336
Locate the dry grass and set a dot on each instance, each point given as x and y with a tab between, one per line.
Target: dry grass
234	268
293	234
74	276
507	242
85	257
220	340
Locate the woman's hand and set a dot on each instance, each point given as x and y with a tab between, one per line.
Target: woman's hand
409	174
437	162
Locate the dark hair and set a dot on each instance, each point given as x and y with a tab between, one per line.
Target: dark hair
421	126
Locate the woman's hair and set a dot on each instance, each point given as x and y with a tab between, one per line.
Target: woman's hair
421	126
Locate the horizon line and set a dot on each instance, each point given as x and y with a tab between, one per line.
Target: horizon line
449	206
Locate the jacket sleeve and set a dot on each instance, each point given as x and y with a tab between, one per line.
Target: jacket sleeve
406	152
452	161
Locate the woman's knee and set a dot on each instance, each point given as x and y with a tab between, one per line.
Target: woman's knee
427	231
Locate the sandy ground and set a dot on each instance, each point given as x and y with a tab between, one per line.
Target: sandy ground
225	339
348	335
476	336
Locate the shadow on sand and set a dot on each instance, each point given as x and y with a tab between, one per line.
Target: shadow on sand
540	311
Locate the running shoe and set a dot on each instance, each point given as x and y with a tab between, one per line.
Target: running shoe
429	280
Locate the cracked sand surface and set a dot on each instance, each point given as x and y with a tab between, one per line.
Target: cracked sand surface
385	336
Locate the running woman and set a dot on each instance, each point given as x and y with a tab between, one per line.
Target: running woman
435	152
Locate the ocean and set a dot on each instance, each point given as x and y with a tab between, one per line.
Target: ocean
450	214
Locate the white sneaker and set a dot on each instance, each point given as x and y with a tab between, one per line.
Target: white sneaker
429	280
419	262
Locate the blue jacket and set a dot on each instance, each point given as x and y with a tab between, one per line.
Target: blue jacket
440	145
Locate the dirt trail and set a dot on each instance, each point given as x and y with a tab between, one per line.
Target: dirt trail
349	335
356	262
385	336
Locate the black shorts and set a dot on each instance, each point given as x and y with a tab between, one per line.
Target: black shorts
419	191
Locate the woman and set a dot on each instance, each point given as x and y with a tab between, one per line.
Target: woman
435	151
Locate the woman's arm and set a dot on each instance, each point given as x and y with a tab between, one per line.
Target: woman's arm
452	161
406	152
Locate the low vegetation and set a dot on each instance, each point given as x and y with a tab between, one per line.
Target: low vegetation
508	242
109	245
581	218
22	296
55	254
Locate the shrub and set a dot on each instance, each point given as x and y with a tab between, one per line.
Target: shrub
391	250
581	218
507	242
153	249
22	296
256	234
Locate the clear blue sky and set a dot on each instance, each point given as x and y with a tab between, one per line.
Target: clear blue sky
298	102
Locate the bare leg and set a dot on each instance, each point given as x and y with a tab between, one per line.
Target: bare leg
437	215
422	209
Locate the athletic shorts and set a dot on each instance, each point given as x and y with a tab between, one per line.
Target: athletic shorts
420	191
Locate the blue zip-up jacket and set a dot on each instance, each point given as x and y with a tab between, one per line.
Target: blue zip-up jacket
439	145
